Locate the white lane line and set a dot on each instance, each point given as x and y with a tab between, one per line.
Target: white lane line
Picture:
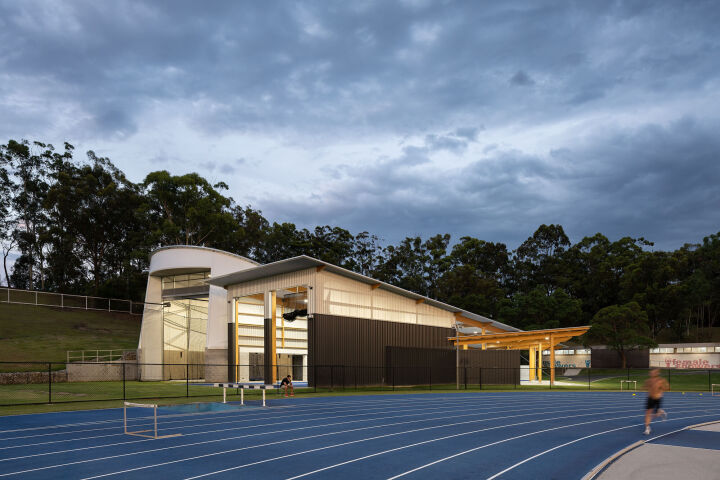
253	446
352	442
403	447
311	418
130	442
457	454
454	416
442	399
312	402
590	436
522	436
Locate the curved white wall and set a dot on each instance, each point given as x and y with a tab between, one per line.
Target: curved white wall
178	260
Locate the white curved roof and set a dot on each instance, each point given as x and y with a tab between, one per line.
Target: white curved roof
179	259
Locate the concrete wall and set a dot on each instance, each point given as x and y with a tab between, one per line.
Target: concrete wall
25	378
101	372
216	369
568	361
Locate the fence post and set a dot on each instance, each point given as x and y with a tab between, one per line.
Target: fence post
709	381
588	370
465	376
187	380
480	377
49	382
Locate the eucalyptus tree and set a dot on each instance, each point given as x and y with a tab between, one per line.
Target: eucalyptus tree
538	260
366	254
620	327
7	238
29	164
186	210
475	276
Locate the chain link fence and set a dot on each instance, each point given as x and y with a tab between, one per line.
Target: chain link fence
27	383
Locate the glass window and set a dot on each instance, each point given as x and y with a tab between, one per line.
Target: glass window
699	350
185	280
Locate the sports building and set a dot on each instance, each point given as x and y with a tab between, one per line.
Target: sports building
223	317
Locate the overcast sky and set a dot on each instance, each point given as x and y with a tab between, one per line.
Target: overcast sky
400	118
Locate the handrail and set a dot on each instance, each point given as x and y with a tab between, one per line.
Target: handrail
65	300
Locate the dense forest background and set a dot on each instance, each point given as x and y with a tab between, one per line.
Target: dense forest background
82	227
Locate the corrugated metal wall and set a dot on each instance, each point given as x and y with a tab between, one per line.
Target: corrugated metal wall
278	282
361	343
340	296
409	366
607	358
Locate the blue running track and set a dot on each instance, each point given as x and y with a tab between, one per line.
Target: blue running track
523	435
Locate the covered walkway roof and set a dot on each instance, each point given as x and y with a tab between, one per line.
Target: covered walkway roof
521	340
535	341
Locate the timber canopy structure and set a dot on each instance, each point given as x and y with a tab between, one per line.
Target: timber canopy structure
535	341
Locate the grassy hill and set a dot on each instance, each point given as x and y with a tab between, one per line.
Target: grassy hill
31	333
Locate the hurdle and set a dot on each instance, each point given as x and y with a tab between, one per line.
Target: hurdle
715	390
242	387
634	382
151	433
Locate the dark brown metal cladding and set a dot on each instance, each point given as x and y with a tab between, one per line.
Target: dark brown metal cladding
268	347
354	351
608	358
232	348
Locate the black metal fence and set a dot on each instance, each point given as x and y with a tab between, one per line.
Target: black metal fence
25	383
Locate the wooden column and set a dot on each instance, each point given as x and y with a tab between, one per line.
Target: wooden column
539	370
531	367
552	360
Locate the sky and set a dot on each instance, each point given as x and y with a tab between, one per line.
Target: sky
399	118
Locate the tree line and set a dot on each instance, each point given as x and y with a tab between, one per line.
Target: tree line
82	227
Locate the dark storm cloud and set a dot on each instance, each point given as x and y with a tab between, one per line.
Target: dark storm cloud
250	65
446	75
521	78
653	182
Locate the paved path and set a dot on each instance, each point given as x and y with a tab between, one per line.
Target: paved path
690	454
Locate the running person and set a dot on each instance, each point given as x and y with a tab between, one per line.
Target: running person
287	383
655	386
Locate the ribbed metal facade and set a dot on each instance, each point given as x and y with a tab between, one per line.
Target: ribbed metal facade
277	282
343	297
345	350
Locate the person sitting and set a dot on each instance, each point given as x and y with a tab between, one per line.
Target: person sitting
286	385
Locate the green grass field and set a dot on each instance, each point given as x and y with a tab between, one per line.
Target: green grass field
31	333
89	395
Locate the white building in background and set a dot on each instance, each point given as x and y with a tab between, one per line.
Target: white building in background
666	355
